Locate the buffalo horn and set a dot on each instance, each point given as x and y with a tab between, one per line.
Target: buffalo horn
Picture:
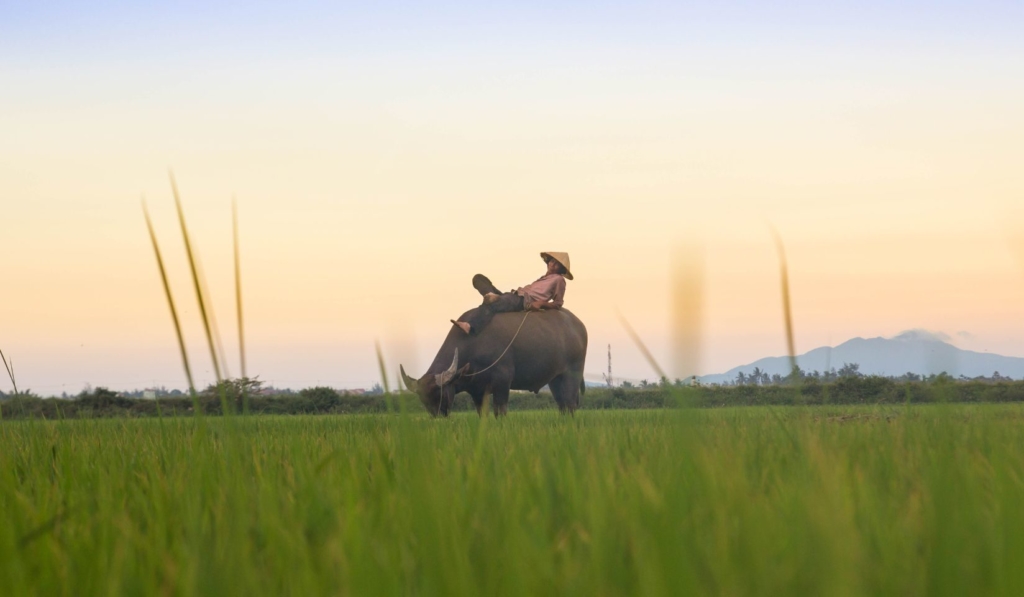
410	383
447	376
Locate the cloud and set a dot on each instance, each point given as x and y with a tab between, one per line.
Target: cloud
922	334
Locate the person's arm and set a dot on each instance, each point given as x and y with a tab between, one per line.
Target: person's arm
557	299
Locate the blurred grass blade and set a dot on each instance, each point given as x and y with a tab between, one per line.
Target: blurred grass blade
786	310
10	371
203	311
238	305
221	356
170	303
687	309
383	375
238	288
383	369
643	347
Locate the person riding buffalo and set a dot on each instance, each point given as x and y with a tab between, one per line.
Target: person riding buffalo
547	292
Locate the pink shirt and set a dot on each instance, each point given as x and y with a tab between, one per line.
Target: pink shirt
547	287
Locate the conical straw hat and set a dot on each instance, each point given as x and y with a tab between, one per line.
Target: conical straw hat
562	258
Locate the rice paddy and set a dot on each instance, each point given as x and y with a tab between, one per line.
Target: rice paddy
906	500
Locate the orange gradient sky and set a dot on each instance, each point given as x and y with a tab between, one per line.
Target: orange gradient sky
374	180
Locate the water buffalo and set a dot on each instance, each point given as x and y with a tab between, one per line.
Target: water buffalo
550	350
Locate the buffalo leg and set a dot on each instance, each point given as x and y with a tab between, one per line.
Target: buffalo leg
485	401
500	400
566	390
479	399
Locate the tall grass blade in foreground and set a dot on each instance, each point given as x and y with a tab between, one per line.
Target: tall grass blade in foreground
640	345
238	287
174	311
788	320
383	369
687	309
204	312
389	399
221	355
238	303
10	371
786	311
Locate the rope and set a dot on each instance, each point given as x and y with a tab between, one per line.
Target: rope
504	351
488	366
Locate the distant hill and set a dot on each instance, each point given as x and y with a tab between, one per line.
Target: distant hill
914	351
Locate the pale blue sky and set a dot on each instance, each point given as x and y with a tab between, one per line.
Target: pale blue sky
80	33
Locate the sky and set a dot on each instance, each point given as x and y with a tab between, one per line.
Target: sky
381	155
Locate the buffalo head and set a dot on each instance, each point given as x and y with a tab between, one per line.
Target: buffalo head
437	391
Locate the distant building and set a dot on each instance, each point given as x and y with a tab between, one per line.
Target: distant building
149	394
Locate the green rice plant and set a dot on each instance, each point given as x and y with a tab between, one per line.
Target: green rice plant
869	500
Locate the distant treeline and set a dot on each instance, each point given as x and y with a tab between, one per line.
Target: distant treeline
238	396
757	377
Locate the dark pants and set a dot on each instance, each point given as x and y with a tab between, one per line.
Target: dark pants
478	318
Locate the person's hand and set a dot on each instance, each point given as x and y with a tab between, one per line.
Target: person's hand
536	305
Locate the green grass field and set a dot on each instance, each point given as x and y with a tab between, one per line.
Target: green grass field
797	500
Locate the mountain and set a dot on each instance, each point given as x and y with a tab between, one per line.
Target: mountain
913	351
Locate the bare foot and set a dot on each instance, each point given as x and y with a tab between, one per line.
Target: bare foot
462	325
